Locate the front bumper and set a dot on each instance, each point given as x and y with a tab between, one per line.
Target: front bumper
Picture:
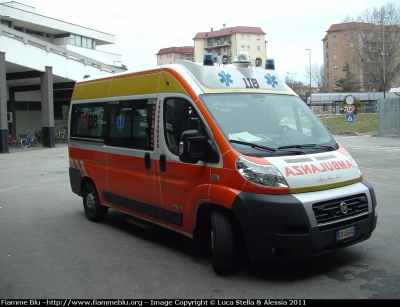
290	226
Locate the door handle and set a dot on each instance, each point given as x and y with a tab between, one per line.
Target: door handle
147	160
163	163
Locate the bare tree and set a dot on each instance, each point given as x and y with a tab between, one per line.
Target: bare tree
318	78
288	81
374	46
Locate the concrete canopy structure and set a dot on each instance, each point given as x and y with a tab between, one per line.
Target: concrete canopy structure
41	58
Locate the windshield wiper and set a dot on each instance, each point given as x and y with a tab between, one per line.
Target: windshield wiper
252	145
308	146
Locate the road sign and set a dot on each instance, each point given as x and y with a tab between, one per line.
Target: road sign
350	109
349	99
350	118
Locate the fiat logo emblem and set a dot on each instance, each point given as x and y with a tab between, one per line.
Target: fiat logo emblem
343	207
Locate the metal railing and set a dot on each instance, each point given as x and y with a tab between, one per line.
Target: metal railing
48	47
217	44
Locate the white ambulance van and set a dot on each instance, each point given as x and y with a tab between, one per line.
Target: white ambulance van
225	154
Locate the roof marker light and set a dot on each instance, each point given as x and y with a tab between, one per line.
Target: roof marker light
257	62
208	59
222	59
270	64
242	59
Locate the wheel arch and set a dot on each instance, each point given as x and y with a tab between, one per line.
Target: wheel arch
202	225
86	180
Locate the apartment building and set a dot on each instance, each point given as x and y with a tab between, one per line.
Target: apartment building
364	47
229	41
41	58
171	54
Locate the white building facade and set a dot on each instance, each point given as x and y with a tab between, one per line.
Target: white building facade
41	58
229	41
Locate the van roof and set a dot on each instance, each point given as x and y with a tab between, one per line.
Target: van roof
214	78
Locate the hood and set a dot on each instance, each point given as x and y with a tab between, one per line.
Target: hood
317	171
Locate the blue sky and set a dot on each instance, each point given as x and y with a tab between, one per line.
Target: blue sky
142	28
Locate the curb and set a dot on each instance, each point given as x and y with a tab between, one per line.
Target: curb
396	135
350	133
373	134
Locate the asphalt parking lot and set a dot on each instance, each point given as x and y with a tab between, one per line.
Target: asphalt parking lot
48	249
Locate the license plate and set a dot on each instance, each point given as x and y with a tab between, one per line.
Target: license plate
346	233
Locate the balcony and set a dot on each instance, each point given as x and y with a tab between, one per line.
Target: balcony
219	43
215	54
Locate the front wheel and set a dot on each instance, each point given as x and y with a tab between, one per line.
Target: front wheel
24	143
222	243
95	211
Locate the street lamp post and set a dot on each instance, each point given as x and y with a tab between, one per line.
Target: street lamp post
309	54
289	73
383	54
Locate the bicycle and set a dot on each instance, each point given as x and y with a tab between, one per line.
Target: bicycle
39	135
62	134
29	141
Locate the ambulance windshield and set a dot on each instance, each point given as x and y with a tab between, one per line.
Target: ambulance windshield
268	121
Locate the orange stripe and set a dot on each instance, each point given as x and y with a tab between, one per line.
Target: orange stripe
138	73
119	76
78	83
183	82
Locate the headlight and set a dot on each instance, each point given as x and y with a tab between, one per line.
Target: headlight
264	175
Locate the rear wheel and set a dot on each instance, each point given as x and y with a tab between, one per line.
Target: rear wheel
35	142
39	136
222	243
95	211
24	143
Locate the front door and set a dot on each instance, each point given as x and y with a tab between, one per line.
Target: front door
181	185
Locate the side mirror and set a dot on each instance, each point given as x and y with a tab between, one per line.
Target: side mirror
194	148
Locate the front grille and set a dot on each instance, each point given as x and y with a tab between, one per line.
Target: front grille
326	157
329	215
298	160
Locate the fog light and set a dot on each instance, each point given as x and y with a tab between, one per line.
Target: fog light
273	250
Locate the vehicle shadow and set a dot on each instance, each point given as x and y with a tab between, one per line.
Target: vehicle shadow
329	264
156	234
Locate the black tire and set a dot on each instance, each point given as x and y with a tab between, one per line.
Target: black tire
222	243
24	143
95	212
35	142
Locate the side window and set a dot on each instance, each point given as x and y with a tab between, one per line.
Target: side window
87	120
130	123
179	116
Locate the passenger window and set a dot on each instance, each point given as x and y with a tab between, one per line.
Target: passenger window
87	121
130	124
179	116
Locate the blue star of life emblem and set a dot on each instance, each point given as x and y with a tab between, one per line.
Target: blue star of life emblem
225	78
120	122
271	80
